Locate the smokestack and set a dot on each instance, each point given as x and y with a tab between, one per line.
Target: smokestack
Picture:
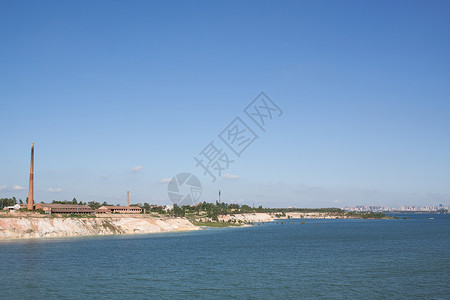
31	188
128	199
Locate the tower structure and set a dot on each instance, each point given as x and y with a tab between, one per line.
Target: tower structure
128	199
31	187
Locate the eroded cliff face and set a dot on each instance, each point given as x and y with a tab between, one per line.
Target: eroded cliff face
270	217
247	218
29	227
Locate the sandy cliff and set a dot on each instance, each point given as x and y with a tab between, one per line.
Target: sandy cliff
247	218
26	227
38	226
269	217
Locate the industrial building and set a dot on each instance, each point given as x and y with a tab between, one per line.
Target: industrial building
53	208
111	209
70	208
64	208
120	209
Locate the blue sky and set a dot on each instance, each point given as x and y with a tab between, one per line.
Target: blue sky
121	95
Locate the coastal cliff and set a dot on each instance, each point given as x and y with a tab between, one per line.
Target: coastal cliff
29	227
247	217
38	226
270	217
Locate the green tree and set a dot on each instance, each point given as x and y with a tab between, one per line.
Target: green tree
245	208
178	211
146	206
4	202
94	205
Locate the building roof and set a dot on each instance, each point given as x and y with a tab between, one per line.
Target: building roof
118	207
102	209
55	205
65	208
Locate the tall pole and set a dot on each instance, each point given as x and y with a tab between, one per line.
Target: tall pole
31	188
128	199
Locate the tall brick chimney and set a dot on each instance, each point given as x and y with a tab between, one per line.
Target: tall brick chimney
31	188
128	199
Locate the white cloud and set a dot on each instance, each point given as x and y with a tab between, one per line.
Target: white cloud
104	177
137	169
231	176
166	180
54	190
3	187
18	188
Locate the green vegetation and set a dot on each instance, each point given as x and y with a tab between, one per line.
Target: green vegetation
373	215
221	208
4	202
95	205
333	210
178	211
209	212
79	216
74	202
369	215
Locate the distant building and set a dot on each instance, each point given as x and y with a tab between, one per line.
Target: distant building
119	209
102	210
14	207
64	208
51	208
111	209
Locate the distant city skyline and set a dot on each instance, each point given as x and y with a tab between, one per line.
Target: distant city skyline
403	208
123	96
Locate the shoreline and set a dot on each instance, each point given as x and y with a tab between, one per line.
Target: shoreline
37	226
13	228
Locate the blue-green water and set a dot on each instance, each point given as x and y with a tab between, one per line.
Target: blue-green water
349	259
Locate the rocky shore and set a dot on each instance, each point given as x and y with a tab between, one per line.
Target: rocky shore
38	227
269	217
31	225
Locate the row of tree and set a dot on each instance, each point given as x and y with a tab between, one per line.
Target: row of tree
4	202
91	204
212	209
222	208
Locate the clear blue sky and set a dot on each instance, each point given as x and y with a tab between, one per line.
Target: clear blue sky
121	95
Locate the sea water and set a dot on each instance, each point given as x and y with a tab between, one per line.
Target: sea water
348	259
